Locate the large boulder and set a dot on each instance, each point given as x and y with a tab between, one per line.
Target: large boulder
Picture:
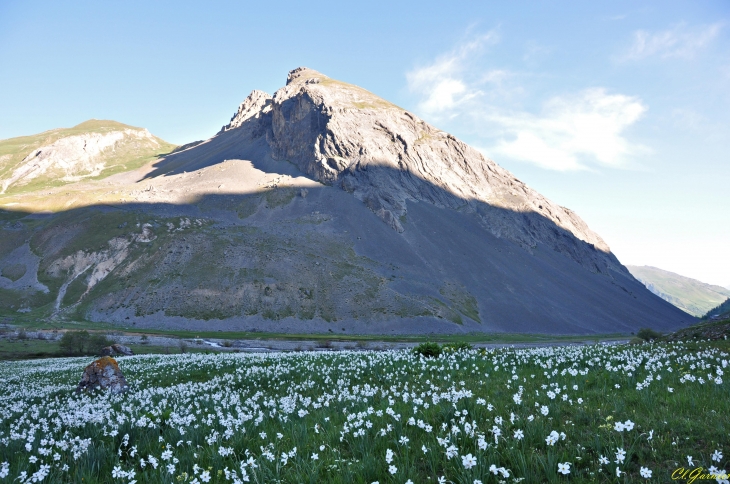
122	350
116	350
103	374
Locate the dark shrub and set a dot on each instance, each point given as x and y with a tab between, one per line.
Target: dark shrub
83	343
458	346
648	334
428	350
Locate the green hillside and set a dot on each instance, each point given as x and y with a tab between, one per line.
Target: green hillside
126	154
690	295
719	312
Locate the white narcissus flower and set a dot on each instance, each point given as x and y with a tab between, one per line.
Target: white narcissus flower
468	461
645	472
564	468
552	438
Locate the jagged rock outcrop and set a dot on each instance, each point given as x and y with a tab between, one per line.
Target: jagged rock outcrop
117	350
347	137
257	104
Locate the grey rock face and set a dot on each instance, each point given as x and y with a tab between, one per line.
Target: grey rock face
257	103
122	350
103	374
116	350
347	137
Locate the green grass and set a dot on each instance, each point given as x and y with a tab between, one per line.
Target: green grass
28	349
13	271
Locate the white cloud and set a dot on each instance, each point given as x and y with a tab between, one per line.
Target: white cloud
569	133
440	85
678	41
572	131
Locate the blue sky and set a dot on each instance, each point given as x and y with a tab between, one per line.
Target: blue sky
617	110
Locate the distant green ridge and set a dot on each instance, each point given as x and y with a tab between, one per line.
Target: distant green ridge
690	295
719	312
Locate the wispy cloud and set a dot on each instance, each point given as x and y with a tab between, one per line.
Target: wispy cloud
680	41
441	85
572	131
568	132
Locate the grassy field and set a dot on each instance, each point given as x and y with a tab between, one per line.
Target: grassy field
598	413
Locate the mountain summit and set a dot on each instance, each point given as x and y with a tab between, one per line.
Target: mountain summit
321	208
344	136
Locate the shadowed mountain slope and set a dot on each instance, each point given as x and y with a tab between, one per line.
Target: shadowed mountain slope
321	208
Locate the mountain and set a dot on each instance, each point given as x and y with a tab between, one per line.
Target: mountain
94	149
321	208
721	311
689	295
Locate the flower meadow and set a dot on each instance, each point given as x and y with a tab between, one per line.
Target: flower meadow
600	413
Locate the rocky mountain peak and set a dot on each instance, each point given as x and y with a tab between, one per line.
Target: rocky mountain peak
345	136
256	104
302	74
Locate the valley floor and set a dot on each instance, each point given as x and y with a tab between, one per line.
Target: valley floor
39	341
